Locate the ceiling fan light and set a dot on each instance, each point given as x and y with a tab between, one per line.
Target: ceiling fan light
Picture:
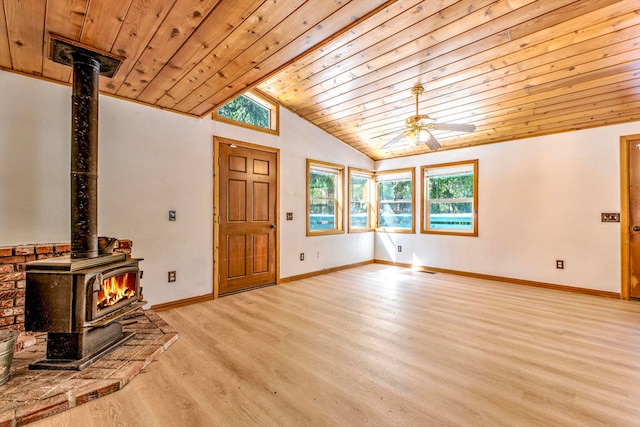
419	127
412	138
424	135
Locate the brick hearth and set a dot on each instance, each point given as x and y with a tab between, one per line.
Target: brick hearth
31	395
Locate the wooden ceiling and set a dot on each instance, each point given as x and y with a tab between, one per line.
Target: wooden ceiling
514	68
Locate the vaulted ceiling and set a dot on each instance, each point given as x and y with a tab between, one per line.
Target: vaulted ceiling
514	68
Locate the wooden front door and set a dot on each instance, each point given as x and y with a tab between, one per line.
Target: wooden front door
633	152
247	217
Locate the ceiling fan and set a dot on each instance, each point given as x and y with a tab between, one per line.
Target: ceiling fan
420	125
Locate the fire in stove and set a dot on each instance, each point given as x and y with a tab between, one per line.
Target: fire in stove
115	289
111	289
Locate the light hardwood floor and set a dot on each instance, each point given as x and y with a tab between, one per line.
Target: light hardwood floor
382	345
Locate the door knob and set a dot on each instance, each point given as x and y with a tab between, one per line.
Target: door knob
272	226
636	228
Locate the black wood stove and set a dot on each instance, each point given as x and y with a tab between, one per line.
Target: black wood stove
80	303
80	300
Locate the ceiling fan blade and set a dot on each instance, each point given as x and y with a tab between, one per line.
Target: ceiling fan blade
432	142
395	140
454	127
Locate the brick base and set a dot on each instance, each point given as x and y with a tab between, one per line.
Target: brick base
31	395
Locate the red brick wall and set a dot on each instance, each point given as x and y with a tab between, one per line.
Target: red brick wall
13	276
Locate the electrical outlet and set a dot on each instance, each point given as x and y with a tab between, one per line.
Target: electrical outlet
289	216
399	248
301	256
172	276
560	264
172	215
318	254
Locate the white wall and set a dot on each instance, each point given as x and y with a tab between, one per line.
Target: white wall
540	200
34	128
152	161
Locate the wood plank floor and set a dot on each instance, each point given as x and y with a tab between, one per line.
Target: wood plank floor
382	345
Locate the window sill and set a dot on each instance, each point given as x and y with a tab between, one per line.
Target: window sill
395	230
451	233
324	232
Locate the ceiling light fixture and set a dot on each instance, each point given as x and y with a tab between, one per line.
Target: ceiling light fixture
419	128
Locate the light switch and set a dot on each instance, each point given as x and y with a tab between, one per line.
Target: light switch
610	217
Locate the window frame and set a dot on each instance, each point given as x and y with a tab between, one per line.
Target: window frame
260	98
371	211
424	200
412	173
338	215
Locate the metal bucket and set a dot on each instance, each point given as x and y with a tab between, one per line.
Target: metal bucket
7	342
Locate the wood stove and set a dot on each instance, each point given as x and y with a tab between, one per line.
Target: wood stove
80	300
80	303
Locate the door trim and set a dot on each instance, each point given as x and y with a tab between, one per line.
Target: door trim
216	205
625	235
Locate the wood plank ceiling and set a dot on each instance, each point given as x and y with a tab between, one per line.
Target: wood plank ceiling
514	68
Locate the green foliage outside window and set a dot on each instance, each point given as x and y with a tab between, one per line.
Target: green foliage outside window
359	206
322	185
245	110
395	204
359	188
450	199
395	190
323	200
451	187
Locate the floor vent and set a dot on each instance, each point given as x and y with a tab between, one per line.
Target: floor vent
411	272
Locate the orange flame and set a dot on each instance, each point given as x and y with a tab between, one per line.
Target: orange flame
115	289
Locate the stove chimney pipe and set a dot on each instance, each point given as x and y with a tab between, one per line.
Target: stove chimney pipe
88	65
84	157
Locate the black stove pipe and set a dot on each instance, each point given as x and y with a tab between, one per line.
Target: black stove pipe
88	65
84	156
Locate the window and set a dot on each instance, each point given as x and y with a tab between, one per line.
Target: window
324	198
360	200
450	198
251	110
396	200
